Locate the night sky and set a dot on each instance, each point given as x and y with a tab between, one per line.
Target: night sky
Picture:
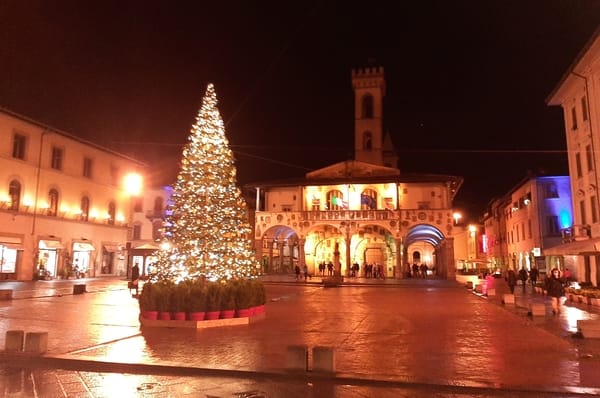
466	80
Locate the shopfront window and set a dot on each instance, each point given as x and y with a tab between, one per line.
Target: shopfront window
8	259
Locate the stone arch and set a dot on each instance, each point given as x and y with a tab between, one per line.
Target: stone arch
422	245
347	243
280	249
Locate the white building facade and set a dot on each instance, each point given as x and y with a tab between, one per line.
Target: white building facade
63	203
539	209
578	94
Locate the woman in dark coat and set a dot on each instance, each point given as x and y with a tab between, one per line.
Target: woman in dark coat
556	290
135	277
511	279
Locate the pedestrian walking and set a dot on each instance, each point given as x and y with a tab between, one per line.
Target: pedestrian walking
305	270
297	271
415	270
423	270
330	268
135	278
534	273
523	277
567	277
511	279
556	290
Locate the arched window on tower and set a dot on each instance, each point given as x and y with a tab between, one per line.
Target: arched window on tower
367	106
367	140
14	192
53	202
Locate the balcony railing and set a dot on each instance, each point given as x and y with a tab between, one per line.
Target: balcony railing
154	214
415	215
576	233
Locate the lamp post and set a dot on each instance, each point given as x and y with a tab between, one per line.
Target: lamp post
457	216
132	184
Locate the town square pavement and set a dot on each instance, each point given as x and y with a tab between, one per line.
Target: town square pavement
389	338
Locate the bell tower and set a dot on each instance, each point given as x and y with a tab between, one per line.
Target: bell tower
369	89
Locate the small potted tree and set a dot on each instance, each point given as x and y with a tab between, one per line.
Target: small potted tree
259	297
227	299
243	298
196	301
163	300
213	300
148	303
178	298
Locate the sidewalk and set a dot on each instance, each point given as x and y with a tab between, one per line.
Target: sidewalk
391	338
562	325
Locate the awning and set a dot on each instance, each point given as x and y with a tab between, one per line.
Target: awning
112	248
574	248
147	246
478	261
12	246
50	244
12	242
11	239
83	247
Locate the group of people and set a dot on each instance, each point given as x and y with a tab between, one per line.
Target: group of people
328	266
375	271
554	284
369	270
418	271
512	277
301	273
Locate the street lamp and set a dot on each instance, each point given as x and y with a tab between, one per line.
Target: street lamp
457	216
472	230
132	184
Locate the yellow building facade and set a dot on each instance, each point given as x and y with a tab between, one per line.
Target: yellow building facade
63	203
361	212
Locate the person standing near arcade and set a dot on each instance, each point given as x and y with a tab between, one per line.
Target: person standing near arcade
556	290
135	277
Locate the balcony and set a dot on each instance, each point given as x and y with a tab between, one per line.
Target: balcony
575	233
155	215
403	217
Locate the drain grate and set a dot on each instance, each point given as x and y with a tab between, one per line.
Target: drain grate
251	394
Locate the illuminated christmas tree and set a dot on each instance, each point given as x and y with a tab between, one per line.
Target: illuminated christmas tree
206	227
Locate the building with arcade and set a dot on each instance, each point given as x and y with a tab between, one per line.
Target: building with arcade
363	211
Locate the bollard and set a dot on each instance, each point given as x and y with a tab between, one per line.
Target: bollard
323	359
14	340
296	358
36	342
79	289
508	298
589	328
537	309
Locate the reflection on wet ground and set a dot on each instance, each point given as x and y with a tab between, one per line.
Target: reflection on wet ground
430	338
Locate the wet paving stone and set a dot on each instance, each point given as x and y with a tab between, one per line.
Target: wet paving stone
410	338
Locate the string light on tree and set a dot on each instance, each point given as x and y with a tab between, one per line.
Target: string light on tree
207	225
